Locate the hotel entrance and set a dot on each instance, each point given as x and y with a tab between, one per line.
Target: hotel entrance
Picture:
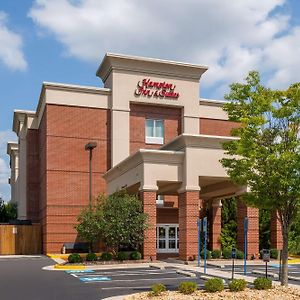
167	238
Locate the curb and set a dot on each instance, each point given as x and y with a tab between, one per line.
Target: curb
66	267
186	273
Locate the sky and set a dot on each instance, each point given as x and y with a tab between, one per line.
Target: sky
65	41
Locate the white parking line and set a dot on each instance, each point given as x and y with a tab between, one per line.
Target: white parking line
147	279
135	287
128	274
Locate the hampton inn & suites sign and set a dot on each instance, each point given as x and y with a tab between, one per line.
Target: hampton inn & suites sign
156	89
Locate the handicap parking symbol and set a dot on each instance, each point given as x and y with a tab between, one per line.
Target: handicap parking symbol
91	279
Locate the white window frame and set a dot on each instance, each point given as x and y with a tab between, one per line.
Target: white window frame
160	199
154	139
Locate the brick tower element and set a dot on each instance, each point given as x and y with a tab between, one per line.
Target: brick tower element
276	231
149	205
253	228
215	224
188	215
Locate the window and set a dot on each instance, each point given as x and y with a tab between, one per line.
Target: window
160	200
154	131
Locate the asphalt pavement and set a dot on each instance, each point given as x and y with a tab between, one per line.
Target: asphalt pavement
23	278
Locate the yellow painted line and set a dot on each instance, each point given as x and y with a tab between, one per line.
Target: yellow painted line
294	261
65	256
68	267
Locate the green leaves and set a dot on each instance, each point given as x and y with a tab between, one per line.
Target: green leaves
118	220
266	157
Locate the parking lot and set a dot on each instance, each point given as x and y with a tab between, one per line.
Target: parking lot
23	278
120	281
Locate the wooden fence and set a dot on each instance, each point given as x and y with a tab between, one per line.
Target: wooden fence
20	239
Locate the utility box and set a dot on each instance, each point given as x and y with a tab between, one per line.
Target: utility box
266	255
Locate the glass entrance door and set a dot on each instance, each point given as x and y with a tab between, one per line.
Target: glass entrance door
167	238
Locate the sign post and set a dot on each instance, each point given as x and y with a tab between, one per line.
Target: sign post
205	241
233	256
245	244
266	259
199	223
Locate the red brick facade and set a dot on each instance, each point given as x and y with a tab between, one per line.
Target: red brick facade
149	205
253	228
276	232
217	127
188	215
64	131
215	227
138	115
32	175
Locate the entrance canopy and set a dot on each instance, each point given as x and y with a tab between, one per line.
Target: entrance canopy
188	163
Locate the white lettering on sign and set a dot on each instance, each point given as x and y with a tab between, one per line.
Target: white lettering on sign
156	89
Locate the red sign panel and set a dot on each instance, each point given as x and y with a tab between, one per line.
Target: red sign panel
156	89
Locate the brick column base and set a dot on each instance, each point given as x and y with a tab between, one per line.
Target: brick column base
253	229
276	232
188	214
215	225
149	206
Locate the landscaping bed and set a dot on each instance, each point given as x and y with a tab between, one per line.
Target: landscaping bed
276	293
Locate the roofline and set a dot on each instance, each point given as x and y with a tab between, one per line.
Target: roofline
151	59
108	55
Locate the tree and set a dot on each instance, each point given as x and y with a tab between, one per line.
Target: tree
124	221
90	222
118	220
265	156
229	223
8	211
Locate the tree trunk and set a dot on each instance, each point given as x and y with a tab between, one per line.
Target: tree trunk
284	269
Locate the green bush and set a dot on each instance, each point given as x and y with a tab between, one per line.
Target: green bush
187	287
227	253
122	256
106	256
136	255
91	257
237	285
208	254
239	254
274	253
262	283
214	285
157	289
216	253
74	258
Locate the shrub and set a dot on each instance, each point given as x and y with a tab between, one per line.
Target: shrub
136	255
214	285
157	289
187	287
208	254
227	253
122	256
239	254
74	258
274	253
262	283
106	256
237	285
91	257
216	253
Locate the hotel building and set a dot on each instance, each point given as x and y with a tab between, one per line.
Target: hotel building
155	137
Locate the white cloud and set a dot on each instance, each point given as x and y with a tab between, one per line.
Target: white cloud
232	37
5	136
11	53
